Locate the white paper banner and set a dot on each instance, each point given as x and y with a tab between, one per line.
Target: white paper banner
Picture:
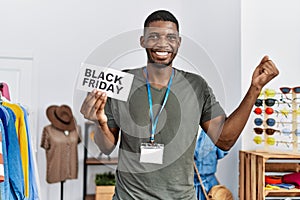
116	84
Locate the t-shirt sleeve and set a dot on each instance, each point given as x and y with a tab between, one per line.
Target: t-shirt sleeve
111	122
211	107
45	141
78	129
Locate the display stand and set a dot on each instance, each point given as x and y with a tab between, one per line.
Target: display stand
290	115
92	161
253	167
294	122
62	190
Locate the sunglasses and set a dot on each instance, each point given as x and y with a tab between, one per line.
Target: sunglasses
286	131
285	111
268	102
268	111
283	100
259	140
268	131
259	121
286	90
270	92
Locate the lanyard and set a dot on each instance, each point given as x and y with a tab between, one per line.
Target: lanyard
152	120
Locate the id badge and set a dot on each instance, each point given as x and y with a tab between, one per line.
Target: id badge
152	153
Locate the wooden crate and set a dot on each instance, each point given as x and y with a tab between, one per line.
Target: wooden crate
253	166
104	192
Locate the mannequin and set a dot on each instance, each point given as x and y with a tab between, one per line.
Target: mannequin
60	140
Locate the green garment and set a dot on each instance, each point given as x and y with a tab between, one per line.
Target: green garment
190	103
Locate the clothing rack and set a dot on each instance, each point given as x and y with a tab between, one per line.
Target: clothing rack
14	152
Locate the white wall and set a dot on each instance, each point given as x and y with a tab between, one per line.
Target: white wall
270	27
59	35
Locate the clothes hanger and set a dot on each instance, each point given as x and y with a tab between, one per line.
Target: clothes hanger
1	86
5	91
1	97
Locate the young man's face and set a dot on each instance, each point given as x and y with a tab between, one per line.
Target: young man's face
161	40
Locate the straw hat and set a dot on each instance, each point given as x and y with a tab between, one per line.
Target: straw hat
220	192
61	117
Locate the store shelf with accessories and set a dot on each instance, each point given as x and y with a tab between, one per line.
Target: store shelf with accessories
277	120
92	160
253	167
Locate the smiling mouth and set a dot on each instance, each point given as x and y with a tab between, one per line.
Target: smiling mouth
160	57
162	53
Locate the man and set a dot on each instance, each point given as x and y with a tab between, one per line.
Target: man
166	105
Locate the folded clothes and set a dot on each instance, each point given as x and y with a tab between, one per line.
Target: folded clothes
293	178
273	179
284	185
271	187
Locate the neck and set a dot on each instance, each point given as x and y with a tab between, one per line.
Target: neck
159	77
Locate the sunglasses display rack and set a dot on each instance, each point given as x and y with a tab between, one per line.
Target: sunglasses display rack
277	118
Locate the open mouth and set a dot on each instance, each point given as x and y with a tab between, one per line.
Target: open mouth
162	53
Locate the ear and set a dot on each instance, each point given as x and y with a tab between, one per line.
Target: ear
142	41
179	41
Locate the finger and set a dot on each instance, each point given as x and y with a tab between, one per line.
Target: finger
269	68
104	100
269	62
264	59
98	103
101	98
86	109
88	103
90	96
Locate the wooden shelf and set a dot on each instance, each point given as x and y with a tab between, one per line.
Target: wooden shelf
90	197
88	161
278	167
283	192
253	167
101	161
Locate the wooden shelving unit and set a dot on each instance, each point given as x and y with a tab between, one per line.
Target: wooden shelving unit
253	167
90	161
89	197
102	161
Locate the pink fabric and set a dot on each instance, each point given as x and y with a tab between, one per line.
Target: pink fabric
4	90
293	178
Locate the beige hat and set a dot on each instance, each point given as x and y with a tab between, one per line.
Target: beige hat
61	117
220	192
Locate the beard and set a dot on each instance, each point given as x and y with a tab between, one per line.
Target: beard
159	64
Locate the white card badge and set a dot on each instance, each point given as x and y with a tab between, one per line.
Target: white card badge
152	153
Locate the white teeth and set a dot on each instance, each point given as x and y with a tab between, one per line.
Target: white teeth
161	53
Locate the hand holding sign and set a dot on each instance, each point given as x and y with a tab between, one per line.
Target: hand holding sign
93	107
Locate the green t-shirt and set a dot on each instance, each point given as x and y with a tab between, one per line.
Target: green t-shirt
190	103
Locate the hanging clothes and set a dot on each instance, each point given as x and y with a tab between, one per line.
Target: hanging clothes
60	140
1	157
20	169
4	158
13	186
33	174
61	153
23	141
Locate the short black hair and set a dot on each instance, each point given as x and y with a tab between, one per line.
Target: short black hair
161	15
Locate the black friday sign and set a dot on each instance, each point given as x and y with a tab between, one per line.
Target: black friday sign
115	83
